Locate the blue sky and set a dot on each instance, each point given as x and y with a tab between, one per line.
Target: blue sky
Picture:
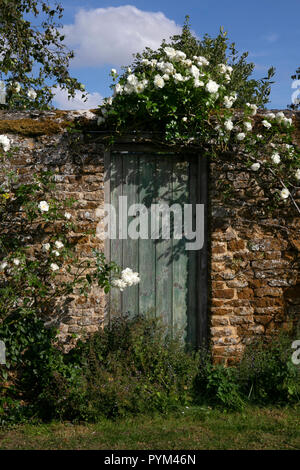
104	34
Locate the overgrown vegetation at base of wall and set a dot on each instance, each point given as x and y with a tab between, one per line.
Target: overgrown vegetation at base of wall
133	367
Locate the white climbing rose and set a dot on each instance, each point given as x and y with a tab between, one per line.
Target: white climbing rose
211	86
284	194
228	125
255	166
32	94
5	142
54	266
44	206
266	124
241	136
59	244
248	126
275	158
16	87
46	246
159	81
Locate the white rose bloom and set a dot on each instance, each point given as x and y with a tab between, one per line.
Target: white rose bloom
128	89
118	89
194	71
284	194
159	81
43	206
59	244
270	116
255	166
202	61
187	62
54	266
253	108
109	100
229	68
266	124
132	80
16	87
130	277
228	125
5	142
140	87
55	252
227	102
280	116
259	136
161	66
153	62
198	83
166	77
184	119
32	94
68	215
3	266
297	174
287	122
179	55
212	87
119	283
170	52
241	136
222	68
46	246
248	126
178	78
227	77
275	158
113	71
16	261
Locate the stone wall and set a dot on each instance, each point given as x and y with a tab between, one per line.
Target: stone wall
254	269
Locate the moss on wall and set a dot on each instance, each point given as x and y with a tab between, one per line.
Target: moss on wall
32	127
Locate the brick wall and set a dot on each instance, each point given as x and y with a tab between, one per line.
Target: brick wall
254	268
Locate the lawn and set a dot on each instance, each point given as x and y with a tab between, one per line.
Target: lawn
191	428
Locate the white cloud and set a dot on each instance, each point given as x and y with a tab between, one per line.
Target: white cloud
272	37
61	100
111	35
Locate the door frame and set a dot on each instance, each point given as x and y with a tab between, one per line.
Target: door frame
199	184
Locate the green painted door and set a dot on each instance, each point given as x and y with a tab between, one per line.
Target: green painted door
168	271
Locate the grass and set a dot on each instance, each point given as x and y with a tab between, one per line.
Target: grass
192	428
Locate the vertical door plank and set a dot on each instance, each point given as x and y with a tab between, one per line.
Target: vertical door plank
193	260
202	277
130	296
164	271
180	255
116	172
147	196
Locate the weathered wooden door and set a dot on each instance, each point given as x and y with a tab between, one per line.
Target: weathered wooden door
173	279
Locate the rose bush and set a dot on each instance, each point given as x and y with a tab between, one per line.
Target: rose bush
186	98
